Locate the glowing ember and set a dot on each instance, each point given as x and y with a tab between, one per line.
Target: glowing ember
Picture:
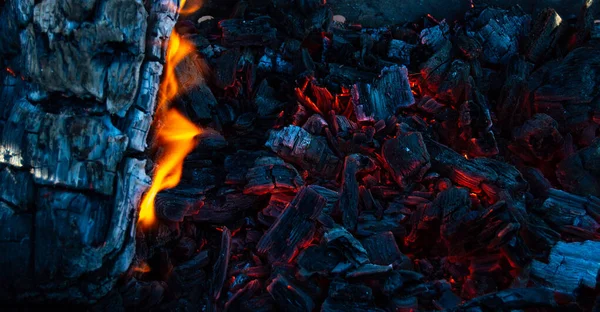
142	268
175	134
11	72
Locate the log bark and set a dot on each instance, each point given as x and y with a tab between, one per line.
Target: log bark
77	101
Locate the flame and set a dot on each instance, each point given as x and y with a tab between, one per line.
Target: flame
192	6
175	133
143	267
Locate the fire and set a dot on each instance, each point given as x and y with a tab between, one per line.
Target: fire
192	6
143	267
176	138
175	134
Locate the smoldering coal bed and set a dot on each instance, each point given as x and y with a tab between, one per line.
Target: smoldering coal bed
275	155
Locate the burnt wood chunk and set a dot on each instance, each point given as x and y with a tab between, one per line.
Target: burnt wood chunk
544	36
537	139
288	296
348	245
406	157
381	99
565	211
383	250
227	208
318	259
499	32
349	194
309	152
294	229
569	266
256	32
272	175
579	173
515	298
221	265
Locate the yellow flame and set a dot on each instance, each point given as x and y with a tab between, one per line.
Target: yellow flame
175	133
192	6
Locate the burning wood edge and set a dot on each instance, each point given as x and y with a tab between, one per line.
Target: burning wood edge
175	137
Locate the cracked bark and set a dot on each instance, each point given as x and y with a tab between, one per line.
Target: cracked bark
76	103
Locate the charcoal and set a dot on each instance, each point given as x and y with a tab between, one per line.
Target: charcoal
277	204
256	32
226	68
579	173
221	265
369	271
174	207
499	32
400	51
237	165
370	225
340	239
406	157
569	266
225	209
545	33
400	278
297	146
272	175
510	108
349	193
565	89
318	259
488	229
381	99
265	100
479	174
516	298
435	37
348	75
564	210
336	306
383	250
537	139
330	196
235	302
288	296
294	229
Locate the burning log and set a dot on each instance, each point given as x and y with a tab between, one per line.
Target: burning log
294	229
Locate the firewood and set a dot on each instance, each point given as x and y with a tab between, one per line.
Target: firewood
272	175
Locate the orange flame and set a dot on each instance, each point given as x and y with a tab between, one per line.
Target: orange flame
192	6
143	267
175	133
